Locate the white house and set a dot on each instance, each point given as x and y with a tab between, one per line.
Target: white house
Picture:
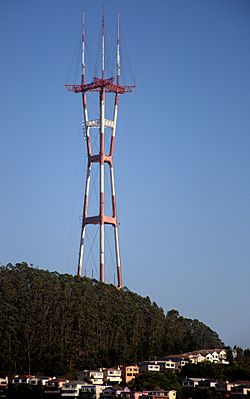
112	375
39	381
22	379
91	391
3	383
197	358
149	366
161	394
209	357
216	358
71	389
94	376
223	355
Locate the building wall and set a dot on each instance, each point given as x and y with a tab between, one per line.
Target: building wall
130	372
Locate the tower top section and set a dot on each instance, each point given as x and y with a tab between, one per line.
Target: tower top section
108	85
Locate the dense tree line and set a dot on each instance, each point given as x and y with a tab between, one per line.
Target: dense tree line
56	323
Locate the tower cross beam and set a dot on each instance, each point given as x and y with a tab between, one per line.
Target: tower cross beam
98	85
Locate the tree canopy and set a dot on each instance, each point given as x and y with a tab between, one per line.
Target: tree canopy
55	323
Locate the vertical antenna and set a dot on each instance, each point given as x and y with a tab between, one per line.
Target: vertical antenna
83	61
118	51
102	40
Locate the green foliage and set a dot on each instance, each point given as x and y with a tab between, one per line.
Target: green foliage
237	370
198	394
203	370
154	381
186	335
59	323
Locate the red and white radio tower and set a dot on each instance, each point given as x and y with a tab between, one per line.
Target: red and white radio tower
102	86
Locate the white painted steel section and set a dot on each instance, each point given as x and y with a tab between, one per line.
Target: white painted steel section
115	120
116	233
117	248
88	181
86	122
108	123
81	251
112	180
102	178
96	123
83	231
93	123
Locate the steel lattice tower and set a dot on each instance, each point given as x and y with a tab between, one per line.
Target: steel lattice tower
101	86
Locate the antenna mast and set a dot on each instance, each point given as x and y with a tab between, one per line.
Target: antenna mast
103	60
83	49
118	51
101	86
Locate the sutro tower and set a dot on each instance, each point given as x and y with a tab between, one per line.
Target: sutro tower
102	86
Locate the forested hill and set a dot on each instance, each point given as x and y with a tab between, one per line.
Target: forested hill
55	323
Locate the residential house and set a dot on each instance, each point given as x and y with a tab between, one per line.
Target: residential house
206	383
149	366
209	357
112	375
22	379
222	355
130	372
216	358
241	390
196	358
224	387
116	392
93	376
191	382
3	383
53	388
91	391
71	389
160	394
179	362
39	381
166	365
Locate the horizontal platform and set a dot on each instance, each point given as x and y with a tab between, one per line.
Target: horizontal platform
97	220
96	123
106	85
97	158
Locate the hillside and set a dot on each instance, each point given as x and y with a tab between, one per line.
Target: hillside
56	323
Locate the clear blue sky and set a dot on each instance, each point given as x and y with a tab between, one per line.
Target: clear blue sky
182	154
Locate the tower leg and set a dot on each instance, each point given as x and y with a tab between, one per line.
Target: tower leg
102	154
117	246
83	230
118	259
